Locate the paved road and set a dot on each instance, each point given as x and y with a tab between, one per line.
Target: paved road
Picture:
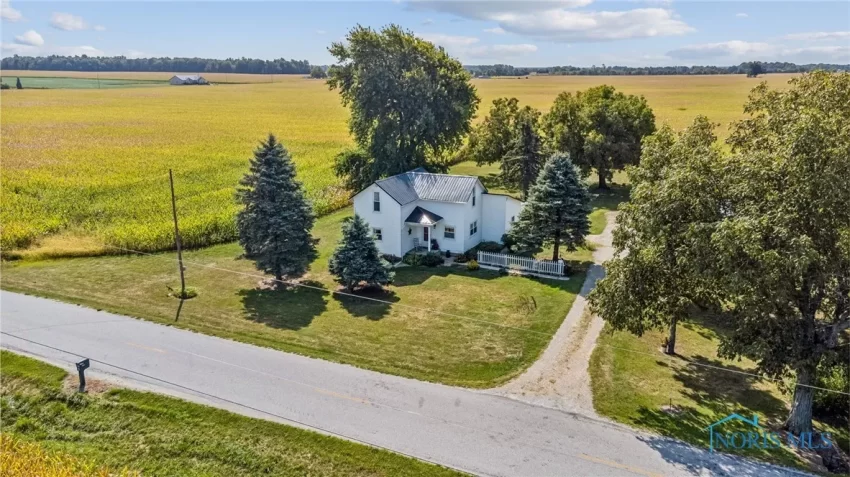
469	430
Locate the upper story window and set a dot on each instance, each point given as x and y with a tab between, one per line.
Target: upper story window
473	199
376	202
473	228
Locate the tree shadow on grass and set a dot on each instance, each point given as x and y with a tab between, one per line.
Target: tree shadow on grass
609	199
719	393
407	276
364	302
290	308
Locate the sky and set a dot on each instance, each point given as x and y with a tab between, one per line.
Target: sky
521	33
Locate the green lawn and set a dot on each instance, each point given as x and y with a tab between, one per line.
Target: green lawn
633	388
409	338
602	200
158	435
40	82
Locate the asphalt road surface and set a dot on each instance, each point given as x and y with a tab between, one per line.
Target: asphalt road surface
465	429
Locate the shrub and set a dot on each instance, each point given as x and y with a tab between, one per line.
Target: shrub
472	265
189	292
461	258
503	271
391	258
508	241
432	259
492	247
5	86
412	259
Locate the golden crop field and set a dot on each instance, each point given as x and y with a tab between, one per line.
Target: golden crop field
88	167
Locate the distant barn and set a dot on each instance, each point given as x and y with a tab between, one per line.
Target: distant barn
188	79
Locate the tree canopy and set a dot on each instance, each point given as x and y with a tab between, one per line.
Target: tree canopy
556	211
654	281
600	128
766	227
410	101
278	66
274	226
356	260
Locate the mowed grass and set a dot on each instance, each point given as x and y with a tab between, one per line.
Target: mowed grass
443	324
86	168
158	435
634	383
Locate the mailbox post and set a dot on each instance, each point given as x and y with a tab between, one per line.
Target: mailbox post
81	368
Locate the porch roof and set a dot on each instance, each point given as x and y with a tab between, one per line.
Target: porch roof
421	216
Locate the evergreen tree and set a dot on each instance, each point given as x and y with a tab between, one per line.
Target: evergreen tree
522	163
19	85
274	227
556	210
357	259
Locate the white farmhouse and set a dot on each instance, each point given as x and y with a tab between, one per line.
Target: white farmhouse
420	209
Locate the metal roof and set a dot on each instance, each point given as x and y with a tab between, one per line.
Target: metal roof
188	77
422	217
416	185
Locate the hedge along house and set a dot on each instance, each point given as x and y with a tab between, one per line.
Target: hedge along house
427	211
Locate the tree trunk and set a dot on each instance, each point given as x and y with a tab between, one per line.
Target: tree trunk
603	182
800	418
557	244
671	340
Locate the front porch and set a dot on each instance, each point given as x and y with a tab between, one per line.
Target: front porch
421	224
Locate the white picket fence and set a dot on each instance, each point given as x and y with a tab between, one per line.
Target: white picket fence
521	263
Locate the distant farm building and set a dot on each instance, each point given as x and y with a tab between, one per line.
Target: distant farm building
188	79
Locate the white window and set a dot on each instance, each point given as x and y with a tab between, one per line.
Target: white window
378	235
473	228
376	202
449	232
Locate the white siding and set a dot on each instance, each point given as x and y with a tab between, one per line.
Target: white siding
498	211
388	219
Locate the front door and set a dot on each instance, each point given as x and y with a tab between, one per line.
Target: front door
425	235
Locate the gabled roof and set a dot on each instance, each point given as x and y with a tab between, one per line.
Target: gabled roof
420	185
422	217
753	422
188	77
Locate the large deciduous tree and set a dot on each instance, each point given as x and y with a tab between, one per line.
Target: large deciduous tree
357	260
654	281
556	211
274	225
491	140
410	101
600	128
783	249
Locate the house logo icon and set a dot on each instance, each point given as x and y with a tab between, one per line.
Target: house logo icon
737	439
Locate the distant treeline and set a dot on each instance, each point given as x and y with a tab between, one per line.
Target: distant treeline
283	66
279	66
743	68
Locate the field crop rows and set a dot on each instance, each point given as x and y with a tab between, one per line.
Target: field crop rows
83	168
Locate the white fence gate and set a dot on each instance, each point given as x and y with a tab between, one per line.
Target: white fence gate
521	263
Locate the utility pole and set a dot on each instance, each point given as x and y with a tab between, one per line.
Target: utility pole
177	237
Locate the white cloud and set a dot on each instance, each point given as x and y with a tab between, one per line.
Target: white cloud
557	22
8	49
320	32
732	52
67	22
496	30
8	13
99	28
741	15
469	47
31	38
819	35
725	49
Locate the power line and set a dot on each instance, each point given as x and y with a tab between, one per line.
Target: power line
545	336
236	403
